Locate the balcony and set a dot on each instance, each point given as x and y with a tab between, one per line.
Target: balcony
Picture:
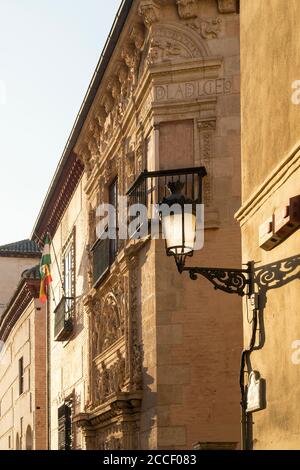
63	327
151	187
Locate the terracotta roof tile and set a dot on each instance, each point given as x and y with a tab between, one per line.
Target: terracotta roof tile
23	247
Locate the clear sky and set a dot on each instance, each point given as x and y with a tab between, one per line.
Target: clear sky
48	52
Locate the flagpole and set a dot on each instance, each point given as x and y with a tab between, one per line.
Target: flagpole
59	272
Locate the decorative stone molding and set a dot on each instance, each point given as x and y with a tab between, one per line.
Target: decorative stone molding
109	380
136	351
150	12
108	102
208	28
101	115
111	323
207	125
206	130
137	36
166	43
187	8
130	169
140	163
227	6
171	42
114	426
161	51
114	87
84	155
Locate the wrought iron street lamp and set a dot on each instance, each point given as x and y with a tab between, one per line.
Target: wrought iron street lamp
179	226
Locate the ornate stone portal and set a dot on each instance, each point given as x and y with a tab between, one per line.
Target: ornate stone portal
115	390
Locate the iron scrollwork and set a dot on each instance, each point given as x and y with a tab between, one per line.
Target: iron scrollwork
232	281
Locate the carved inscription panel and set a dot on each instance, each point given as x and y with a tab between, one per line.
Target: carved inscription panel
192	90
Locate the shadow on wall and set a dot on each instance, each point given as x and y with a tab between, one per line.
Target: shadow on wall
149	412
266	278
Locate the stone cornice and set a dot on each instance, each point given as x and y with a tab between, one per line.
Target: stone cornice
276	178
120	405
60	199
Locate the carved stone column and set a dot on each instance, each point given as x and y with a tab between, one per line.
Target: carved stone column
89	388
135	350
89	436
206	131
156	146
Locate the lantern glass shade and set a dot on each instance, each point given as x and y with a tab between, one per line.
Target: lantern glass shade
179	230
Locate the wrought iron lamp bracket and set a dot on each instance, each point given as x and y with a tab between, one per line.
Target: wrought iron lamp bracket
232	281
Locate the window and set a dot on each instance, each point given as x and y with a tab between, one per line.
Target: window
21	433
113	201
65	310
65	427
68	279
17	442
21	376
29	438
105	250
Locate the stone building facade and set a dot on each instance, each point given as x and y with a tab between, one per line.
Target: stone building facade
23	382
139	356
269	218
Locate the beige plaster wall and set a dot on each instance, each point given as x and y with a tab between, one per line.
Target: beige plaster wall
29	409
69	360
270	131
10	273
270	63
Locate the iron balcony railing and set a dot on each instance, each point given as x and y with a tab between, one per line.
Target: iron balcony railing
63	327
151	187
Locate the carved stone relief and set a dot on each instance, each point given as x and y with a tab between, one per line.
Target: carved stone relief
206	131
166	43
171	42
112	324
108	323
118	437
130	169
208	28
187	8
150	11
227	6
109	380
136	351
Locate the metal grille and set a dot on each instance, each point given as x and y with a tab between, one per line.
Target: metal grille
151	186
64	319
101	259
65	428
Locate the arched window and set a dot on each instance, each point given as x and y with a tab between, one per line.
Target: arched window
29	438
17	442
